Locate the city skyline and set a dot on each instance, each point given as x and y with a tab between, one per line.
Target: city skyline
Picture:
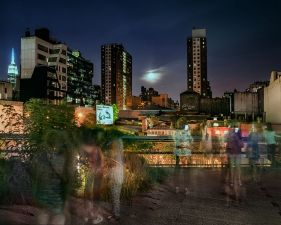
243	42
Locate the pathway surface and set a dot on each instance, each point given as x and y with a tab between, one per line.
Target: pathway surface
207	203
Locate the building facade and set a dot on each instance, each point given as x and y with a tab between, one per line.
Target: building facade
272	99
190	101
116	76
246	103
41	49
13	71
215	106
164	101
136	102
197	79
257	85
73	71
79	79
6	90
147	94
44	83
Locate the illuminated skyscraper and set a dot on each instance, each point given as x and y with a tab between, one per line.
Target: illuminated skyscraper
197	79
13	71
116	76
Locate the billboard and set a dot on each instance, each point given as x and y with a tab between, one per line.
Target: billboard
104	114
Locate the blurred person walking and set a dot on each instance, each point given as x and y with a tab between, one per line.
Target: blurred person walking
51	173
234	143
253	149
93	158
270	143
114	160
182	138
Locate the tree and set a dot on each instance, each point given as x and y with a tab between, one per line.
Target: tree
41	117
181	122
115	112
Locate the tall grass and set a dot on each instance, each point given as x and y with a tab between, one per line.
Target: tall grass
138	177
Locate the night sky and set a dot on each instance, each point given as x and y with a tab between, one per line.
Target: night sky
243	37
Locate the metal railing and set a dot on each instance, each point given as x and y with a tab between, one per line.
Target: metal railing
158	157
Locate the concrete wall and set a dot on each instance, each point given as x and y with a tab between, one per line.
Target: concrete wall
215	106
272	101
18	107
246	102
190	102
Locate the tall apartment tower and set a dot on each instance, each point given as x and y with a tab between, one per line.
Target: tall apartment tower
197	79
116	76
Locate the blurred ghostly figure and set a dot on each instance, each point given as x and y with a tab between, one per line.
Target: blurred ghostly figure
253	150
51	176
114	159
270	142
234	143
182	152
93	178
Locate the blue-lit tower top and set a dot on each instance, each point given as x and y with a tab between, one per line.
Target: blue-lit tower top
13	71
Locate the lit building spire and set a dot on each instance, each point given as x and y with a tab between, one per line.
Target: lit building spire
13	57
13	70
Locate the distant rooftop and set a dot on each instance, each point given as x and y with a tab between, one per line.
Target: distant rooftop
44	34
198	33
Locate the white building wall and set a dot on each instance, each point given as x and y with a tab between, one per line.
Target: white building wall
246	102
272	99
28	59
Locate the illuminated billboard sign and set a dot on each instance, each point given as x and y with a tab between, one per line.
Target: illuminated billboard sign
104	114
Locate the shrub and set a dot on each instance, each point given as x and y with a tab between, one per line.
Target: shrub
138	177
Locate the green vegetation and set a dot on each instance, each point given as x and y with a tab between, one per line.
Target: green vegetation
47	127
139	177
